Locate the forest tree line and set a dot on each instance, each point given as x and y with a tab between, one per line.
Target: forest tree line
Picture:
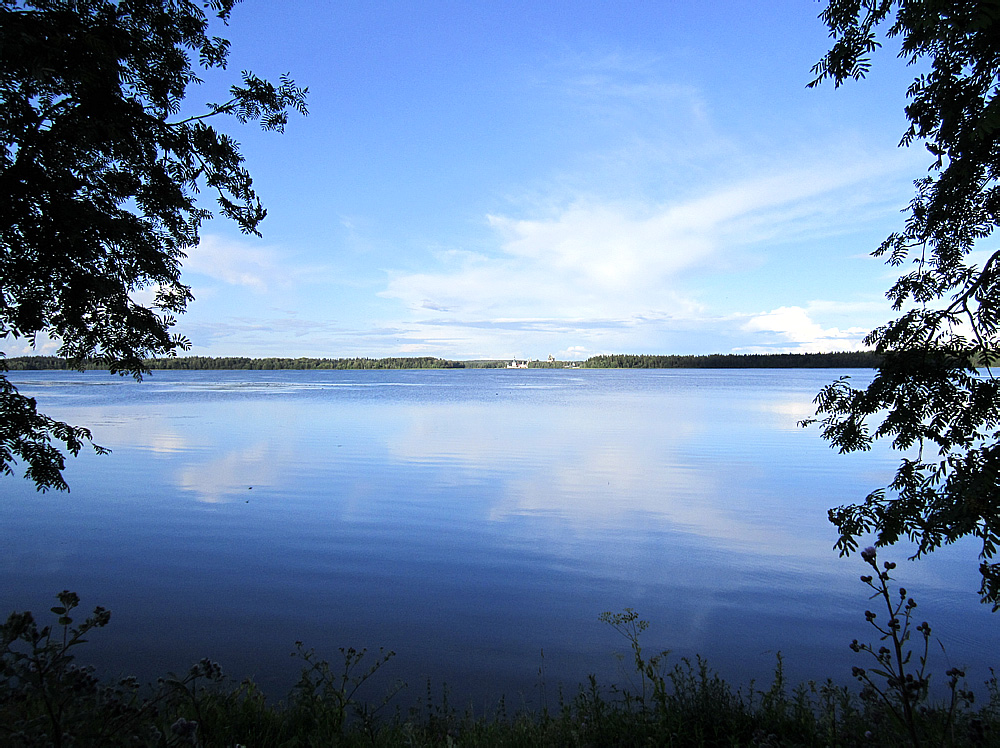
245	363
843	360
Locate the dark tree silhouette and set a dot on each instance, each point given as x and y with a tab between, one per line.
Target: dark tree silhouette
934	394
99	175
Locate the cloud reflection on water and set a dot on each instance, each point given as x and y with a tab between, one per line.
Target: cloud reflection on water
228	477
459	506
652	464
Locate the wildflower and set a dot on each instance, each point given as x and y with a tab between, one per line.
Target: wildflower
207	669
184	728
868	554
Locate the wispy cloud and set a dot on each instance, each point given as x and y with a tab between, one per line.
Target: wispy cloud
247	264
613	267
234	262
43	346
651	219
276	333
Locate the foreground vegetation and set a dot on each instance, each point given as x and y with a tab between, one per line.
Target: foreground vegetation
47	700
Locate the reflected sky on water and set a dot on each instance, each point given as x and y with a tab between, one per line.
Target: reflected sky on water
469	520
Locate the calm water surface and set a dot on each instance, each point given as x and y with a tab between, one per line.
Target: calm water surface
476	522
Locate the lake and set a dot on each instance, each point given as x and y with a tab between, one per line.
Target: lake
477	522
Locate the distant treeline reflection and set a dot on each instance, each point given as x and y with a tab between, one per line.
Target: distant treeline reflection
844	360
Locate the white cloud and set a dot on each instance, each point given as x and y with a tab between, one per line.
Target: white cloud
43	346
237	263
574	352
619	264
605	248
795	329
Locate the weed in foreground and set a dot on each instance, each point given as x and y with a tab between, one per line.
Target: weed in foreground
898	683
688	704
47	700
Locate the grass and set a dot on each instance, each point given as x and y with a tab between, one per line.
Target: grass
47	700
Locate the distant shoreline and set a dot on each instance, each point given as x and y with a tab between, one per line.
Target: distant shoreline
842	360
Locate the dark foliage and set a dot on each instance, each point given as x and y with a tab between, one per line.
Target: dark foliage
99	176
47	699
931	396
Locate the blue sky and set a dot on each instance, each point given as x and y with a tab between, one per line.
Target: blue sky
490	180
